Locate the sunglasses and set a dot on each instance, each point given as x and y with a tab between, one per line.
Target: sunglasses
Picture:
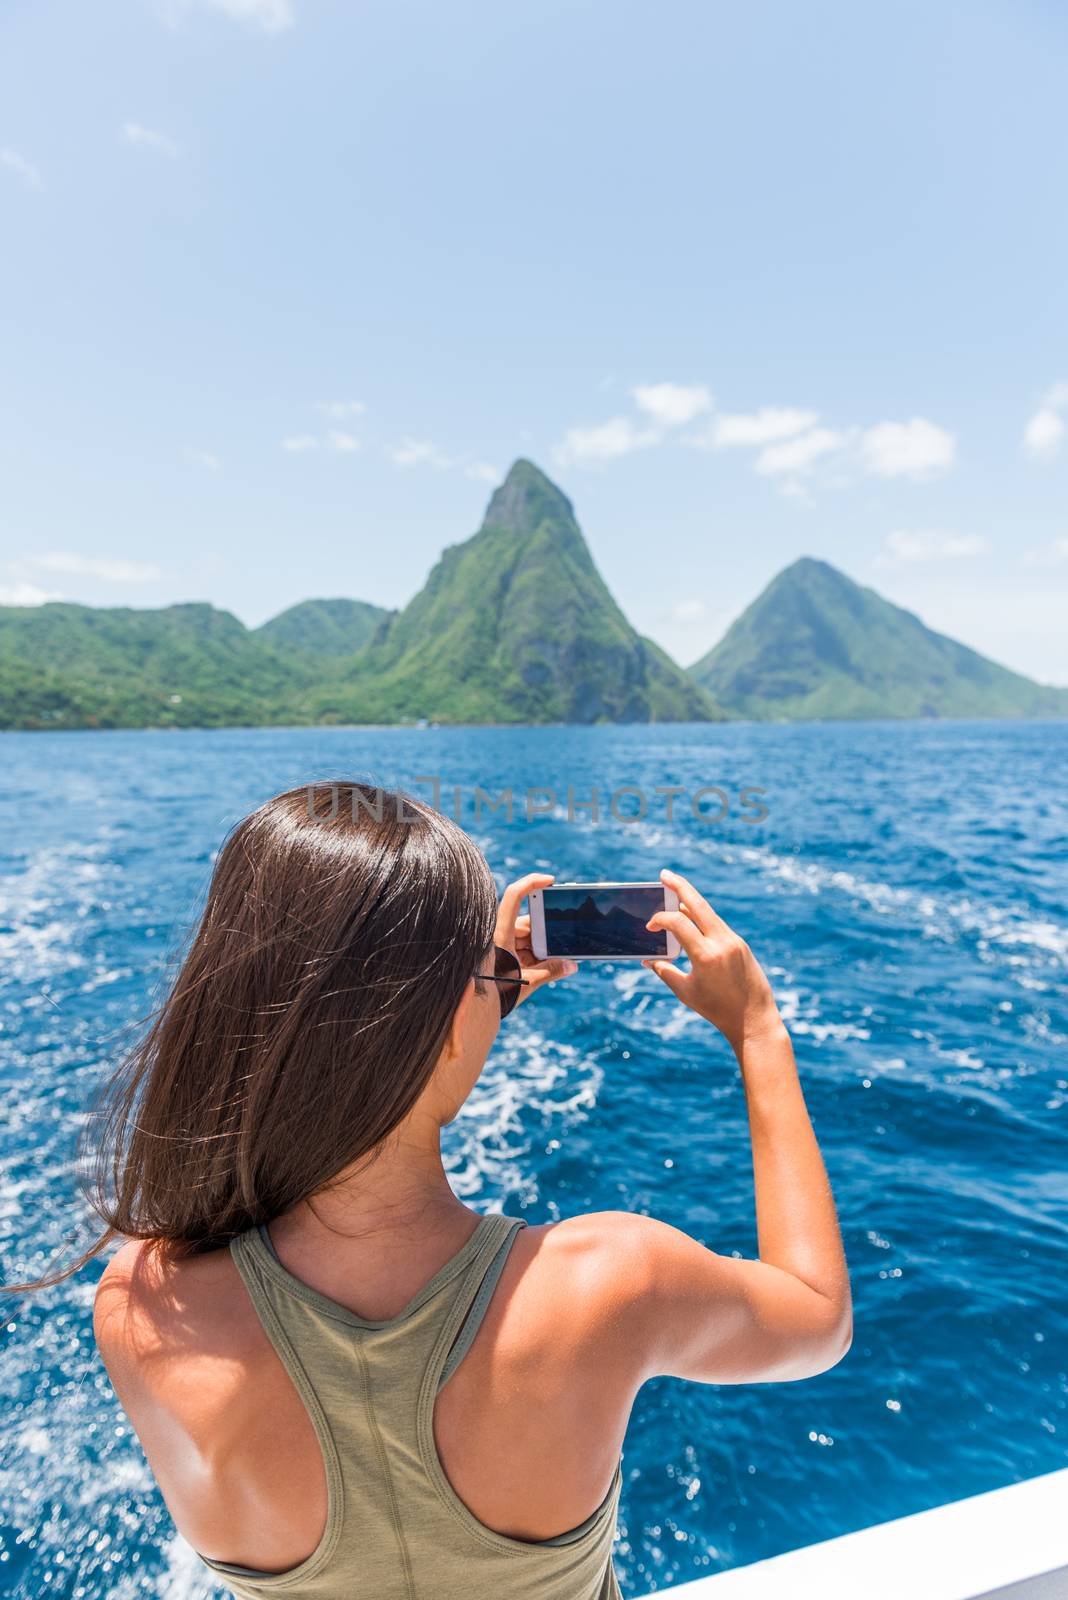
507	974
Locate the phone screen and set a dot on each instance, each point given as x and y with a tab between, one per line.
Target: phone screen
603	921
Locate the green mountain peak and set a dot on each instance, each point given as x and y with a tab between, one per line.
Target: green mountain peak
815	644
517	625
527	499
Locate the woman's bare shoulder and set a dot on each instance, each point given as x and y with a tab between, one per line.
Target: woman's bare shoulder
205	1392
627	1286
607	1247
152	1308
596	1268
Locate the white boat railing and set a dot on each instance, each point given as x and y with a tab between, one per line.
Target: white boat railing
1010	1544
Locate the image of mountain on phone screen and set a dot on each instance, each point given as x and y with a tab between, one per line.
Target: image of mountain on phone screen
590	920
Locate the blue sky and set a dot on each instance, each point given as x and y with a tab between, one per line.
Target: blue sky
289	283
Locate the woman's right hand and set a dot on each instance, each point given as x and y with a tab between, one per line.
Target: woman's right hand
726	983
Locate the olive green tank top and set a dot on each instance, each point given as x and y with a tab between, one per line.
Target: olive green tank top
395	1528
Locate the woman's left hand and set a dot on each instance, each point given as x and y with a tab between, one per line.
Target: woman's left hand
513	933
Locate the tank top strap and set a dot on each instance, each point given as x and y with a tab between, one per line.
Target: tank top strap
469	1307
264	1233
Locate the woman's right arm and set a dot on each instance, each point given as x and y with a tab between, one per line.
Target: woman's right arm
691	1313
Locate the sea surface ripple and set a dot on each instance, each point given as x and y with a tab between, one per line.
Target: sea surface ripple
906	891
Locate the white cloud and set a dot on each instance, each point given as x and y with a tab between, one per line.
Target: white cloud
273	16
688	611
604	441
1056	397
663	406
204	458
337	439
790	444
111	571
1048	555
420	453
788	440
1044	432
930	546
762	427
23	169
136	133
482	472
913	449
340	409
25	594
671	405
798	455
425	453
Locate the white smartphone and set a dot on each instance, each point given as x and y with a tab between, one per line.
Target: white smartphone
601	921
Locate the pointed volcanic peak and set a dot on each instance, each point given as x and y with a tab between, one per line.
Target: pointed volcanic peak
517	625
816	645
323	627
527	500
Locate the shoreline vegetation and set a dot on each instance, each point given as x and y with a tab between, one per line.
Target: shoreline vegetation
513	627
518	727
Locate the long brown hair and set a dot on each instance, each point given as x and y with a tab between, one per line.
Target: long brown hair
342	925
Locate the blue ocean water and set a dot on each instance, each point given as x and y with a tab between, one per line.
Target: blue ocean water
906	891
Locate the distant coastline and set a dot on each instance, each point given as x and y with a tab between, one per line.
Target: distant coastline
1052	719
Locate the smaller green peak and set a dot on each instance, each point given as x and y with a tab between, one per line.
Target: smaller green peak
809	567
816	578
526	499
